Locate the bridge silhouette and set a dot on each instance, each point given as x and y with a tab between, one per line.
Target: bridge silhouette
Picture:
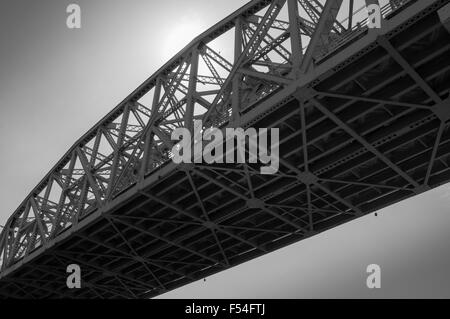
363	116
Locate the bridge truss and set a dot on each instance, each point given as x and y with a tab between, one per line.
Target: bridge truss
363	118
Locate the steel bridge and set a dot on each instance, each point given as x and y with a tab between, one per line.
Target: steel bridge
363	115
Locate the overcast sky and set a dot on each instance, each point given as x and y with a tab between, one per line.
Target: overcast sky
56	83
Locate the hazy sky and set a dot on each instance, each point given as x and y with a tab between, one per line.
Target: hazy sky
56	83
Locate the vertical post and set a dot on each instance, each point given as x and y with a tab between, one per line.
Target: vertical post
48	190
62	196
148	139
146	155
156	96
116	160
83	194
189	115
16	242
296	40
350	15
237	77
4	244
3	232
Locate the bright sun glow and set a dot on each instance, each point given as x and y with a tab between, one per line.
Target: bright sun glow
180	34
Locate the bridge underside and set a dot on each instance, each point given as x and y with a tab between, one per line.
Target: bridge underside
371	132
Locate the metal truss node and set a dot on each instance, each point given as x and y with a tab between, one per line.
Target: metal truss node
308	178
442	110
255	203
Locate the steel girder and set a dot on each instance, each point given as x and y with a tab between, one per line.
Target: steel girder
355	136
